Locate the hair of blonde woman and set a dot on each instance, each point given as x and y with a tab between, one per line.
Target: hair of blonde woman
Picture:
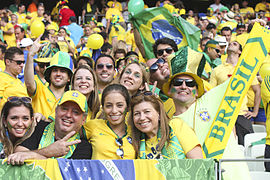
8	145
163	121
93	100
119	45
145	74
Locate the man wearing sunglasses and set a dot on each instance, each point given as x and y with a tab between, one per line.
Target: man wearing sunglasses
58	75
212	56
223	72
58	139
164	47
10	85
184	88
105	71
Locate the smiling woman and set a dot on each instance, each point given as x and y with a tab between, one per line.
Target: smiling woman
134	77
154	137
17	124
111	137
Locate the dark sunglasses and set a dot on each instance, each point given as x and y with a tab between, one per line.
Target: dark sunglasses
188	82
42	65
119	151
154	67
17	62
16	99
217	50
108	66
144	93
161	51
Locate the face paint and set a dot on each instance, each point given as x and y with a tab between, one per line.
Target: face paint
193	92
9	125
173	90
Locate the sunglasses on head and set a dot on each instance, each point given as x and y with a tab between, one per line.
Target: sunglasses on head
119	151
101	66
154	67
161	51
42	65
188	82
16	99
17	62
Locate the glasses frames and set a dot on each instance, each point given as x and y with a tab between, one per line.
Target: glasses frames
188	82
119	151
167	50
101	66
19	62
16	99
154	67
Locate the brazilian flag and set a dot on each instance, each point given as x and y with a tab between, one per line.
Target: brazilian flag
157	23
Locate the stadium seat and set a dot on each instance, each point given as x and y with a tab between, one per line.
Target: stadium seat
254	151
259	175
258	128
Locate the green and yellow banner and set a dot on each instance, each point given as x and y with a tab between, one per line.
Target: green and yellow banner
59	169
254	53
156	23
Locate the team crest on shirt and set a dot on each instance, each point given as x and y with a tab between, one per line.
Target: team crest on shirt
75	94
204	114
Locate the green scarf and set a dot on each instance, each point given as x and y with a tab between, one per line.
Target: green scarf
173	150
48	138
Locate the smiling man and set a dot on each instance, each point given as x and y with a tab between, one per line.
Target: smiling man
60	138
10	85
105	71
58	75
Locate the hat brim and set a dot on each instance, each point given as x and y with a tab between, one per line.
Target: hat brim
43	60
166	86
48	71
67	100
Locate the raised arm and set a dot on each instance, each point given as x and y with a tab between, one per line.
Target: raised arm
29	68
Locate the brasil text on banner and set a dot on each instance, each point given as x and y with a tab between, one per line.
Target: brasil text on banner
157	23
254	53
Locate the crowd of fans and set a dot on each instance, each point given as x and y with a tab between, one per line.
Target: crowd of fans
61	98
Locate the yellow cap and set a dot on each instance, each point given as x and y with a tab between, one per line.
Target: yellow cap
76	97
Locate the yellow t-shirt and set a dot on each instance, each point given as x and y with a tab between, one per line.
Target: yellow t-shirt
265	92
21	18
117	5
250	94
43	99
185	135
63	45
2	65
261	7
243	11
191	20
119	34
10	86
103	141
130	40
9	38
114	11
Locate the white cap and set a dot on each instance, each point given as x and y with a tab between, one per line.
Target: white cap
26	42
221	40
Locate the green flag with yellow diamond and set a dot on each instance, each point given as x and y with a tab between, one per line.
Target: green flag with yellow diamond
156	23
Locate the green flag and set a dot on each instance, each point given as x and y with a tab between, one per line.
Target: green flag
156	23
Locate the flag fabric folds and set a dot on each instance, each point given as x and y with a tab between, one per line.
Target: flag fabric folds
157	23
254	53
110	169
